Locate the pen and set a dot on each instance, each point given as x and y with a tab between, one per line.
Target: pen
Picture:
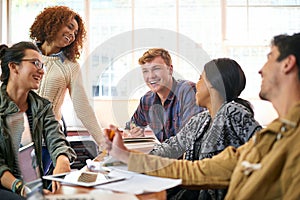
113	164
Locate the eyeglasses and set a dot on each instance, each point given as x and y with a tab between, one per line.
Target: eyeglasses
38	64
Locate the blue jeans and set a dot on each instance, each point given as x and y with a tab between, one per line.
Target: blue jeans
9	195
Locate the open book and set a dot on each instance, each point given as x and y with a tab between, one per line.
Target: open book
139	139
142	145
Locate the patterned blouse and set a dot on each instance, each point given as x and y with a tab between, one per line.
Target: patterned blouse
203	137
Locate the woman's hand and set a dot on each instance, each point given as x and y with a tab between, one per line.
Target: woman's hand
62	166
115	144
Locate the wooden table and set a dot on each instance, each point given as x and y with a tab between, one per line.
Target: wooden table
66	189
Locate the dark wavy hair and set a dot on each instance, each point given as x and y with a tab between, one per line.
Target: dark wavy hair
50	21
288	45
13	54
228	78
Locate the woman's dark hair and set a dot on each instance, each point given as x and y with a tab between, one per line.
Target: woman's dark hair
13	54
48	23
228	78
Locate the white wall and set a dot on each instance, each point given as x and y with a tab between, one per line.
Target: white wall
3	22
108	111
264	111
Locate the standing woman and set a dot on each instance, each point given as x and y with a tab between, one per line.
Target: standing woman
59	33
22	72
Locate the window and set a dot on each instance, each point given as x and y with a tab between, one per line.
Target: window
250	24
119	31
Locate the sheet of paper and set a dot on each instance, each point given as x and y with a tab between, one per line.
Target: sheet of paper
139	183
93	195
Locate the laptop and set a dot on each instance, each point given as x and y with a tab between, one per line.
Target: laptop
30	175
19	126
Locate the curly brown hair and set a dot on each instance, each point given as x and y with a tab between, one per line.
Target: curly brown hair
49	22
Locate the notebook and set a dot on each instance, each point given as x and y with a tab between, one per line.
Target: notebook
85	178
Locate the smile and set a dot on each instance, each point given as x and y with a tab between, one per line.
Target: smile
38	78
153	82
67	38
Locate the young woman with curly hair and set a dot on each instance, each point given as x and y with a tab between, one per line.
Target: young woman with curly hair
59	33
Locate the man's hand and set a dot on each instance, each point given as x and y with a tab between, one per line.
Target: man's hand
137	132
133	130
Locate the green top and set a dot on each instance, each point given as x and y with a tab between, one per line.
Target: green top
44	126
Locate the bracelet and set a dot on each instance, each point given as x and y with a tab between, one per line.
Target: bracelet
13	187
24	190
17	186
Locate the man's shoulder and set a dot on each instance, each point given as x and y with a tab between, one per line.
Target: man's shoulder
183	82
185	86
148	96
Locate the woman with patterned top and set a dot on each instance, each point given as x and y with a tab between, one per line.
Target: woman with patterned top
228	121
59	33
